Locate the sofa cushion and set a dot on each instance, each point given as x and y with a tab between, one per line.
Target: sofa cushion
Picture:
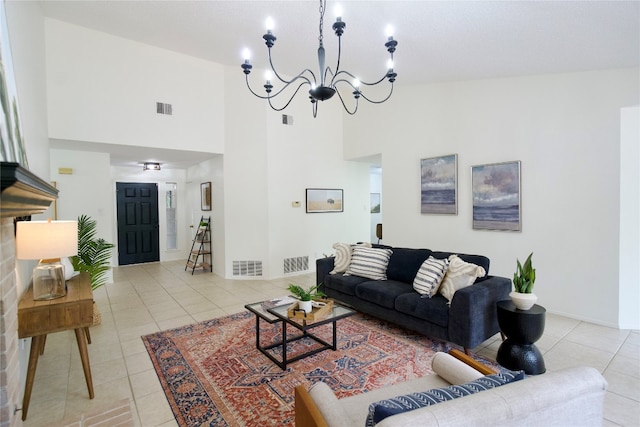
369	262
345	284
343	256
429	276
408	402
382	293
459	275
404	263
434	310
480	260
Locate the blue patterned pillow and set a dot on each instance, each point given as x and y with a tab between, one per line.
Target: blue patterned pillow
429	276
369	262
382	409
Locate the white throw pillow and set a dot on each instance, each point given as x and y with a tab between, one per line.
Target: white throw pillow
460	275
429	276
369	262
343	256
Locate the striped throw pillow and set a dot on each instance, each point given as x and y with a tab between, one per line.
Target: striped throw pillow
369	262
343	256
430	276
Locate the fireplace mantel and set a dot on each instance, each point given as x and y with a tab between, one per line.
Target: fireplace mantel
23	193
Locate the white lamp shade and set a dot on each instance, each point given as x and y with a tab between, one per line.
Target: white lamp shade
46	239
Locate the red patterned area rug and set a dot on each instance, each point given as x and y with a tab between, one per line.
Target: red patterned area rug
213	375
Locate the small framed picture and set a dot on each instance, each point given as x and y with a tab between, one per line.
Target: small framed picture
324	200
496	196
205	196
439	185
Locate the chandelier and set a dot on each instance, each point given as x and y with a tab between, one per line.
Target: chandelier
329	80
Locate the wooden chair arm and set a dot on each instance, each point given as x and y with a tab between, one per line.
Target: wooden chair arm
480	367
307	413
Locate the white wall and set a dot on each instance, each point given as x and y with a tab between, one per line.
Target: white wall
104	89
565	129
269	165
630	218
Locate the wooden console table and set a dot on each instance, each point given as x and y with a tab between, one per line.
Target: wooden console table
36	319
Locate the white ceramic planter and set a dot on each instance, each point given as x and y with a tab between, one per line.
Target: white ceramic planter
305	305
523	301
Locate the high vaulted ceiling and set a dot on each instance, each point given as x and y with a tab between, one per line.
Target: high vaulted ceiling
437	40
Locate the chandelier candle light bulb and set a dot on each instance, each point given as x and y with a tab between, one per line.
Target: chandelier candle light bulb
325	85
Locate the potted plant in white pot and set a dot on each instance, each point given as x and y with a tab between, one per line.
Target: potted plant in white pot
305	296
523	280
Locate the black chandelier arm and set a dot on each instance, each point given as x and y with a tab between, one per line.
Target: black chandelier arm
380	101
343	72
345	105
300	75
269	98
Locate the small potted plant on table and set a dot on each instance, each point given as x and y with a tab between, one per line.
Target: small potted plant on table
523	280
305	296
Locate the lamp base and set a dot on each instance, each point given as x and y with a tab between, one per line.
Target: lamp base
48	281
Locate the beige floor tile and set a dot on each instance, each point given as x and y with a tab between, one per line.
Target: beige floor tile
623	385
627	366
206	315
144	383
78	400
43	412
138	362
621	410
133	346
566	354
138	331
176	322
101	373
154	409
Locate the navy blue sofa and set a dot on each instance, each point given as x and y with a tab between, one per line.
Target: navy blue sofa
468	321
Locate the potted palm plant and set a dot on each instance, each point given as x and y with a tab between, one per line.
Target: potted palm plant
94	255
523	280
305	296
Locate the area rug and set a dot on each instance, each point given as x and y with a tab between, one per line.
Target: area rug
213	375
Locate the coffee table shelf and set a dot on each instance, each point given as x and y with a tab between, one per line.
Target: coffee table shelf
279	315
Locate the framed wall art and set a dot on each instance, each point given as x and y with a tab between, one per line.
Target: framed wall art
375	203
439	185
205	196
497	197
324	200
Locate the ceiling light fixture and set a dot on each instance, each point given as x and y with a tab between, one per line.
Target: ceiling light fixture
326	87
151	166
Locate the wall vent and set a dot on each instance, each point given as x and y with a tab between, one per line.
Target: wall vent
292	265
162	108
287	120
247	268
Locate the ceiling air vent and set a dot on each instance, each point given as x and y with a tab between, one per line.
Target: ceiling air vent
162	108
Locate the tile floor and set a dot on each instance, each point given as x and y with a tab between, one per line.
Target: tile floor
153	297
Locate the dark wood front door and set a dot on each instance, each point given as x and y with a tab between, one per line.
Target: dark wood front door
138	230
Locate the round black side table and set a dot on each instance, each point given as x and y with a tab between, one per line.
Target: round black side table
522	328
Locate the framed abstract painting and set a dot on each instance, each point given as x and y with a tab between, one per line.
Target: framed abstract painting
439	185
497	197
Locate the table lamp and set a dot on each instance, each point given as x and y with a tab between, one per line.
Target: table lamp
47	241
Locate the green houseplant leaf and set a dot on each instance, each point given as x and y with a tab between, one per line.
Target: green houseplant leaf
93	254
525	276
305	295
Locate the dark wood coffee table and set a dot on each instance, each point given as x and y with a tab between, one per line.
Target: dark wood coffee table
279	315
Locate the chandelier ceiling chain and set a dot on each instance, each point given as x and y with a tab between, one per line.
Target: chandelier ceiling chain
321	91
